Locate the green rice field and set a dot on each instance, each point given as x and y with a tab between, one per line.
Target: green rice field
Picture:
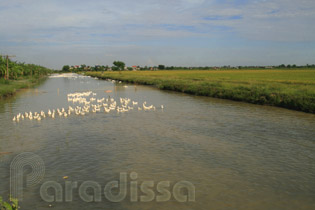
292	89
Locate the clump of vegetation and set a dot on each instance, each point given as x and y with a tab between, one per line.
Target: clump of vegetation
292	89
19	70
118	65
11	205
20	75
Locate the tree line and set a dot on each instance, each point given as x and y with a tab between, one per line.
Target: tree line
17	70
119	66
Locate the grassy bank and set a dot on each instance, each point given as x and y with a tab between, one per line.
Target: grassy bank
10	87
292	89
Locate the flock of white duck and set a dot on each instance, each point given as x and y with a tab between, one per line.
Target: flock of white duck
84	103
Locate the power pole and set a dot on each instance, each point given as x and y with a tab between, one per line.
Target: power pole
7	57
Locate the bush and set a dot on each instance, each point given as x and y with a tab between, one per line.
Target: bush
11	205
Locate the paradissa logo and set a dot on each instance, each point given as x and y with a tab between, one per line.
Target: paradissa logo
111	188
90	191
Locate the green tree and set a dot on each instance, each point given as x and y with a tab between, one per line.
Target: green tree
66	68
17	70
2	67
119	65
161	67
82	67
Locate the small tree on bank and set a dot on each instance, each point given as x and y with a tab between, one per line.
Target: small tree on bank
119	65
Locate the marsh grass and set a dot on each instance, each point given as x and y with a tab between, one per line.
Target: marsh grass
292	89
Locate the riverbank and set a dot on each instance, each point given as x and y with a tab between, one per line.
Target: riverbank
10	87
291	89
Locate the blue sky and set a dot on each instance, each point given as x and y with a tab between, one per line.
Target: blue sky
151	32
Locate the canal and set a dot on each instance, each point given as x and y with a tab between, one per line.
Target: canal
231	155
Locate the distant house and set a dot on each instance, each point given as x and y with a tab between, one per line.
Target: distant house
135	68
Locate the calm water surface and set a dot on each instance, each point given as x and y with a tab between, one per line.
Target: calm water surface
237	155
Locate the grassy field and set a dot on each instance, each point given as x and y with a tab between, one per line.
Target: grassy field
292	89
8	88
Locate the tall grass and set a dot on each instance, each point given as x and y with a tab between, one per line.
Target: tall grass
292	89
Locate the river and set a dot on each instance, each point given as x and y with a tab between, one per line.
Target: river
233	155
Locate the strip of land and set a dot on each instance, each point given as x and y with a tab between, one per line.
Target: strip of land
291	89
10	87
15	76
